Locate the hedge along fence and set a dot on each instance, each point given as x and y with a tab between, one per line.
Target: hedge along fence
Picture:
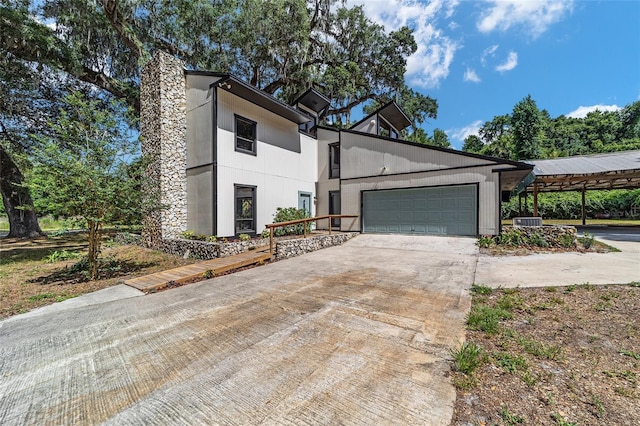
568	205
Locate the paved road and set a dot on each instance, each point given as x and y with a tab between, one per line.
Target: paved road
356	335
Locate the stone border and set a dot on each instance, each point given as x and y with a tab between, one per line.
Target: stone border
291	248
552	234
285	247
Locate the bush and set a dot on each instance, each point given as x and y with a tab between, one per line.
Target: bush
244	237
484	241
288	214
586	240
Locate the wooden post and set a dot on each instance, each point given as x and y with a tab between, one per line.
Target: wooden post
304	225
520	204
584	212
535	200
330	218
271	241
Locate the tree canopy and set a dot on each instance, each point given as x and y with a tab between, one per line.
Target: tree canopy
529	133
51	47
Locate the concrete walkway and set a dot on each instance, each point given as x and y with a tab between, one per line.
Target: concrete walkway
357	334
560	269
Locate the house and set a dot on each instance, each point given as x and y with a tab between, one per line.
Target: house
227	155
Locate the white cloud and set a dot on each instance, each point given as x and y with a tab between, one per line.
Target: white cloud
430	64
534	16
462	133
582	111
488	52
509	64
470	75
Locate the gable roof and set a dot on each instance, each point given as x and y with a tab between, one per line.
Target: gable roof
244	90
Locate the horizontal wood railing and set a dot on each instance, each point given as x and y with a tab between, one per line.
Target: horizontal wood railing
272	226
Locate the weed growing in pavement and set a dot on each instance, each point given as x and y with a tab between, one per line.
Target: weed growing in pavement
467	358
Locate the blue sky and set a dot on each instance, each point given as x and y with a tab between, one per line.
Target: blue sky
479	58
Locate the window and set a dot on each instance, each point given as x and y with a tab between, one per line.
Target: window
387	130
245	209
334	160
334	207
245	135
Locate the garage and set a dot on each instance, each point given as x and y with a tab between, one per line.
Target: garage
441	210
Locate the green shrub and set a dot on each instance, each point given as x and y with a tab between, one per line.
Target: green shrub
266	233
586	240
212	238
567	240
484	241
538	240
288	214
510	237
244	237
187	235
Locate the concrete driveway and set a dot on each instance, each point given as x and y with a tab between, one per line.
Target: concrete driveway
560	269
356	335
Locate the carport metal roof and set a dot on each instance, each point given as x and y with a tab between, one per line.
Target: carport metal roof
613	170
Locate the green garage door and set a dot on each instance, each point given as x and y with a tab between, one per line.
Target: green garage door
443	210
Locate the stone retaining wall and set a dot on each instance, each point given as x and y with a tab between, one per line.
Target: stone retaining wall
285	247
291	248
553	234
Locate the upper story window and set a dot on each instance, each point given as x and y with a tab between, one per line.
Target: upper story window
334	160
387	130
245	135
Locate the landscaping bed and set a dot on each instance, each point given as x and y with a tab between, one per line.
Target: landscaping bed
550	356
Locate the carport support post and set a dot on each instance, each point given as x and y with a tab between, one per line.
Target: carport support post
535	200
584	212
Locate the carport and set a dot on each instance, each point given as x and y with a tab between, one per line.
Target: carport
613	170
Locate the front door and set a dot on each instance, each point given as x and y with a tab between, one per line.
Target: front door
304	202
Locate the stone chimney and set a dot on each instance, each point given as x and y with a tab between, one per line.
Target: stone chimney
163	129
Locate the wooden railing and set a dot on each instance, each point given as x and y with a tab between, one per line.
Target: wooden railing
272	226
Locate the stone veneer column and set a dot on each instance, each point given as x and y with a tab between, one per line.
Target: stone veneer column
163	128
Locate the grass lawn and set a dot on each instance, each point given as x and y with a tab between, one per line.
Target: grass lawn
550	356
39	272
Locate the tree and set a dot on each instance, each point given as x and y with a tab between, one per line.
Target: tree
439	138
84	166
281	46
472	143
526	121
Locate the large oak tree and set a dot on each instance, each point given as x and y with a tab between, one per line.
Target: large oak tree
280	46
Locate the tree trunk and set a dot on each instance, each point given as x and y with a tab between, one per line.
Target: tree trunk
23	222
95	238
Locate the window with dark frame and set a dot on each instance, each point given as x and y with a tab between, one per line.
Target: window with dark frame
245	135
334	207
334	160
245	209
387	130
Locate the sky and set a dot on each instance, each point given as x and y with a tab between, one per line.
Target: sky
479	58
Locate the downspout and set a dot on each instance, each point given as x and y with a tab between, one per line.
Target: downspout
214	174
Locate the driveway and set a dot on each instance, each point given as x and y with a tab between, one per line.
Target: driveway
356	335
560	269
